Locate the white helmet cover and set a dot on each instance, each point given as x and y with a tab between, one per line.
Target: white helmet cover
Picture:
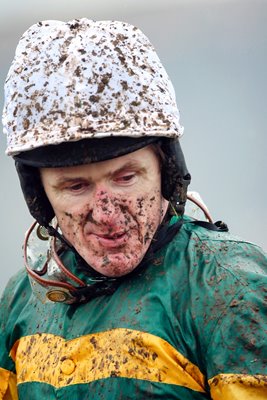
81	79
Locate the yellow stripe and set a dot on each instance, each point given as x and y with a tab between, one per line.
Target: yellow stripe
8	385
238	387
118	352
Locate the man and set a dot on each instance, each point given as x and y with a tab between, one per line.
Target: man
122	296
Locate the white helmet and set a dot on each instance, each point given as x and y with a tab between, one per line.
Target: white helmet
86	79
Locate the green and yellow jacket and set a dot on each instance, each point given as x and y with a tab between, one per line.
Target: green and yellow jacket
192	325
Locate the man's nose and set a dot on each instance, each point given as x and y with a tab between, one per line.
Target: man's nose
106	207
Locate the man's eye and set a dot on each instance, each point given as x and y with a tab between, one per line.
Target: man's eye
127	178
77	187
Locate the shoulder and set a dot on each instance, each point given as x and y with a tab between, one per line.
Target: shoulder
232	301
16	282
13	300
215	263
15	295
216	274
220	250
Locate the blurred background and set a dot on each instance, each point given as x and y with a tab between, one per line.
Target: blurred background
215	52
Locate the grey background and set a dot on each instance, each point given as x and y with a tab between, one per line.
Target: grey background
215	54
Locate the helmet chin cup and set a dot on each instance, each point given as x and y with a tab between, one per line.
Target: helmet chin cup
50	279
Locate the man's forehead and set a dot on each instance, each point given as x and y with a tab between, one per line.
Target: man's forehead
138	160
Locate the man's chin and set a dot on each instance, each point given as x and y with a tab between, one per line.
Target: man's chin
114	265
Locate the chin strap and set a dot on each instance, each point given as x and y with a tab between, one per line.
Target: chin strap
218	226
56	234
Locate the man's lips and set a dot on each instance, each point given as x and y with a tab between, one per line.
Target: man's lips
110	240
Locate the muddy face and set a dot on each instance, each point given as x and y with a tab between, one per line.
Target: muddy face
109	211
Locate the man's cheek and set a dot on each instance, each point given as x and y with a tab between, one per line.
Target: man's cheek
69	225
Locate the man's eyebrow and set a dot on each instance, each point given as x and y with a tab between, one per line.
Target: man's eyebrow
129	165
62	180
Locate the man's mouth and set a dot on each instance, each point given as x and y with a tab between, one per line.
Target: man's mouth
111	240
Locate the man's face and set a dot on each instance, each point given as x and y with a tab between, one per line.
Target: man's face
110	210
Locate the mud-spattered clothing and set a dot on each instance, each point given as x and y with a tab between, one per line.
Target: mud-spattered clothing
192	325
